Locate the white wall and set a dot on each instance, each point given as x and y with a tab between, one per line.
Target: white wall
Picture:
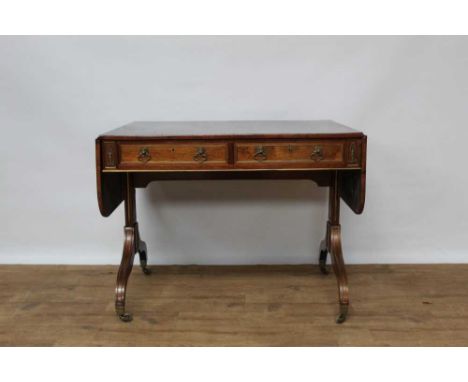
408	94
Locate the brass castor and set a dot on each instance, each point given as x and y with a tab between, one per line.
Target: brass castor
126	317
122	314
343	314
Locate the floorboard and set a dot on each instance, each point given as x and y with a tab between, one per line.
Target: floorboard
392	305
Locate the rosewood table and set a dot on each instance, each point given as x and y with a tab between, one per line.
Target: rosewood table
328	153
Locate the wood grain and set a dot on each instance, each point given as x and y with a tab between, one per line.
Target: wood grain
219	140
110	187
296	154
155	130
392	305
232	148
173	155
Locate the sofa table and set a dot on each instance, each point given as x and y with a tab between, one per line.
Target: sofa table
328	153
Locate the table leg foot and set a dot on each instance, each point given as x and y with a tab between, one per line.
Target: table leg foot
340	271
123	274
126	317
323	258
343	314
122	314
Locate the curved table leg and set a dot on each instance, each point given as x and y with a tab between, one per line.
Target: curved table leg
340	272
132	245
125	269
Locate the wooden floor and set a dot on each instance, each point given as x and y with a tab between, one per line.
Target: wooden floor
392	305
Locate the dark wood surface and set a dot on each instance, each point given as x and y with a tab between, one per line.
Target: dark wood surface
326	152
229	146
231	129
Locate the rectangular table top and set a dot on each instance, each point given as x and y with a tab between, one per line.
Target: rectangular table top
232	129
280	149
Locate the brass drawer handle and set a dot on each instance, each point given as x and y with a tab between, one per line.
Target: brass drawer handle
317	153
200	156
260	154
144	155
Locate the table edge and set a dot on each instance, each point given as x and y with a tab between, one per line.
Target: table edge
106	136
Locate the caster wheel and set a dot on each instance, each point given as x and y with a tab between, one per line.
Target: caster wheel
126	317
343	314
341	318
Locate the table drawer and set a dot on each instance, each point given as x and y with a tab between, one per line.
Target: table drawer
309	154
173	155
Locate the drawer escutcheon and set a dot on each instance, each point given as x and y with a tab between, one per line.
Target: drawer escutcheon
317	153
200	156
144	155
260	154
